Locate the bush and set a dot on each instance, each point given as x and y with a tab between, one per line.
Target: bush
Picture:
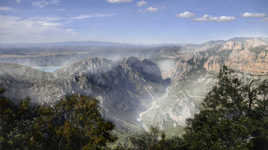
73	123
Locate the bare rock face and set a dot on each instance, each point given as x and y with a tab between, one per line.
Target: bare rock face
193	74
24	82
86	66
244	61
243	43
250	62
163	91
124	88
213	64
247	55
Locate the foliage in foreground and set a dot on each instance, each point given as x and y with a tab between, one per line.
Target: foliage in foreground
75	123
234	117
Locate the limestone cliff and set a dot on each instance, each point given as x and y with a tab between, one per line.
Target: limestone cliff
124	87
163	90
248	55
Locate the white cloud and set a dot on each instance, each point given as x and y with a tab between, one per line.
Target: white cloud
4	8
16	29
152	9
44	3
18	1
206	18
141	3
41	29
186	14
253	15
119	1
80	17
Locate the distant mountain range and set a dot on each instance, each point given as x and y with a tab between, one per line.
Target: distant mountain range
66	44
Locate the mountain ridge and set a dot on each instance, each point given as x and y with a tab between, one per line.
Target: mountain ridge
123	89
163	86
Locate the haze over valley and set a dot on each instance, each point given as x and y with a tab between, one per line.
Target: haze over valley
133	75
138	86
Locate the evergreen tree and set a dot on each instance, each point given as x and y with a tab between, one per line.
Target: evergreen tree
74	123
234	116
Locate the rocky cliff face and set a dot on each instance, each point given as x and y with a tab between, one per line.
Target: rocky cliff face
243	43
193	73
246	55
124	87
163	91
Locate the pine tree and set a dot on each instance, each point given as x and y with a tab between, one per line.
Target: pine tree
73	123
233	116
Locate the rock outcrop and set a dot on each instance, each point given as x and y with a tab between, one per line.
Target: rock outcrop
124	87
193	71
246	55
163	91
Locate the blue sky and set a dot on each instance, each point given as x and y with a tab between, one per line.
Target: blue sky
131	21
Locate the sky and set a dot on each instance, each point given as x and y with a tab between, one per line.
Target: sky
131	21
